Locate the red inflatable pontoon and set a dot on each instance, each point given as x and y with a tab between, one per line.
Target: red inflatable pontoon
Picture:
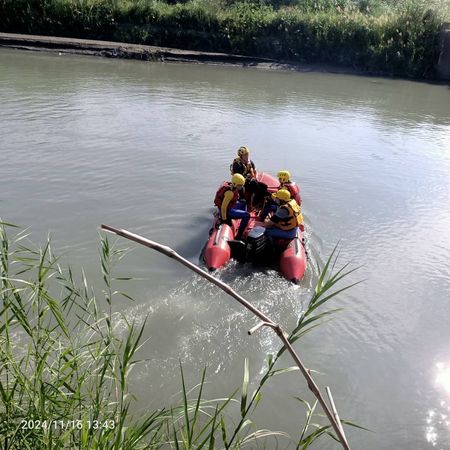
255	246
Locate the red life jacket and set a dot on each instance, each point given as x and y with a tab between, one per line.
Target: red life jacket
218	199
294	190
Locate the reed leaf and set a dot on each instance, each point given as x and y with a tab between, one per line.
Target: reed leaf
312	437
244	387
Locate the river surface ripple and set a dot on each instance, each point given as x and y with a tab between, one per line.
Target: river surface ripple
143	146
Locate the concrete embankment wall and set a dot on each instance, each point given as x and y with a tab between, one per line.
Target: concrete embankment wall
120	50
443	66
153	53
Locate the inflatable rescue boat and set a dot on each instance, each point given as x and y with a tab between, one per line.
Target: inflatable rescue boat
255	246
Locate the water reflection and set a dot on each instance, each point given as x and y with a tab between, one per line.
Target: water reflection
443	376
437	429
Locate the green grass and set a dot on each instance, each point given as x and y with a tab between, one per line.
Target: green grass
62	360
385	36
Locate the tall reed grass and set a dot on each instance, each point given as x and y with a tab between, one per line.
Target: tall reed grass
64	370
385	36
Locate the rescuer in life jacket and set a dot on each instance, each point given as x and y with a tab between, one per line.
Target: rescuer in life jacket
227	200
243	165
284	177
287	217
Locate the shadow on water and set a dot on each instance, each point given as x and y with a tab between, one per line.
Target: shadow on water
192	246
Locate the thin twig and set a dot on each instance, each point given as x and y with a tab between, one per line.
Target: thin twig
258	326
333	407
335	422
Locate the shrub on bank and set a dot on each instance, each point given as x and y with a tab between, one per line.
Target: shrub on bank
367	35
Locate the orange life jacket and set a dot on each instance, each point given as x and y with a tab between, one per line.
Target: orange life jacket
218	199
294	218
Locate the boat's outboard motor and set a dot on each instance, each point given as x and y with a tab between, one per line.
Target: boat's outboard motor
255	244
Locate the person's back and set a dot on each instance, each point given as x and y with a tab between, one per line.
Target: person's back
242	164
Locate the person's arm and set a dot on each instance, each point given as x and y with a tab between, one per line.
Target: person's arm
253	169
226	201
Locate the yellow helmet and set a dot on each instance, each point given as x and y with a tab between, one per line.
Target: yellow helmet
243	151
238	180
282	194
284	176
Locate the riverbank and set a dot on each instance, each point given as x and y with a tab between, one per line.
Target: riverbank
389	38
124	50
